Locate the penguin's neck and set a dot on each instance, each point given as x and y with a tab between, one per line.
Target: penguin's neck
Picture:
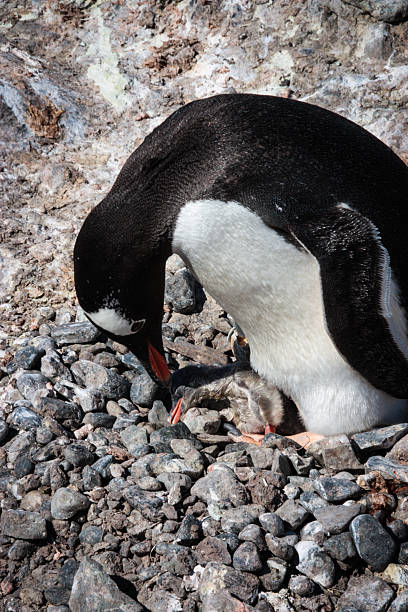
273	291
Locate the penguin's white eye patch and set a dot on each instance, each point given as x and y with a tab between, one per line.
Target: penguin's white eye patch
114	322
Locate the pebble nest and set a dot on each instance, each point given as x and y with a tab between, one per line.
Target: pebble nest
105	506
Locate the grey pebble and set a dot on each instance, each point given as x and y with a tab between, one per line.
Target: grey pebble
400	603
221	486
20	549
237	518
90	478
27	358
373	543
23	524
340	547
23	466
337	489
392	470
276	577
272	523
75	333
158	414
25	418
391	11
65	503
3	430
109	384
78	454
292	513
240	584
180	291
91	534
311	501
101	465
279	548
246	558
380	439
28	383
60	410
315	563
99	419
93	589
213	549
190	531
144	390
334	519
399	530
253	533
313	531
366	593
301	585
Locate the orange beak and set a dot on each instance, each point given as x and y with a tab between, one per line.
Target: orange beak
176	412
158	364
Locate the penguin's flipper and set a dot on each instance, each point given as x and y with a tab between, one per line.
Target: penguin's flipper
363	314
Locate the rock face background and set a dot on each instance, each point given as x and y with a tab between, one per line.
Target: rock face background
82	82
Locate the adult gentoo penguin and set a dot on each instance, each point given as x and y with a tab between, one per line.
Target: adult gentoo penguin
295	220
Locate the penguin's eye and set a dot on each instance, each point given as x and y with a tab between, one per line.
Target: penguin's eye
137	326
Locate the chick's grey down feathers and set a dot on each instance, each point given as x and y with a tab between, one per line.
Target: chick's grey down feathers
253	402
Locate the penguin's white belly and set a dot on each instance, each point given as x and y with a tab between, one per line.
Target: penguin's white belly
273	291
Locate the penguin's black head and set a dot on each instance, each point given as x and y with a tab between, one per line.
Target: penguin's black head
119	281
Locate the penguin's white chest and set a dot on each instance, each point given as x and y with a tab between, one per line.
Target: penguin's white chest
273	291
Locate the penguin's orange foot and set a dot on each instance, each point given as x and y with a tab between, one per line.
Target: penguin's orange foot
306	438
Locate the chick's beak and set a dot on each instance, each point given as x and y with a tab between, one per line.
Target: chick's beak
158	364
175	414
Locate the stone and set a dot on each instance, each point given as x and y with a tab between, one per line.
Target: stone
148	504
102	465
222	487
75	333
190	531
93	589
91	534
4	429
279	547
23	466
301	586
217	576
261	457
253	533
60	410
66	503
380	439
366	593
399	451
213	549
389	469
246	558
272	523
144	390
27	358
391	11
20	549
158	414
396	574
336	489
52	367
334	519
313	531
171	432
315	564
99	419
373	543
78	454
335	453
25	418
109	384
276	577
311	501
237	518
28	383
340	547
180	291
400	603
292	513
90	478
201	420
23	524
398	529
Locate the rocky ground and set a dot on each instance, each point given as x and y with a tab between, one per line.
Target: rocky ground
103	505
